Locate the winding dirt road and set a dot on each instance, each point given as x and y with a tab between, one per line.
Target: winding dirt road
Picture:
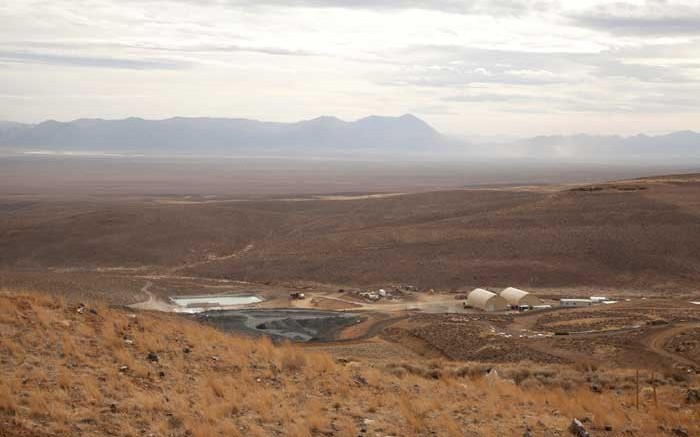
656	342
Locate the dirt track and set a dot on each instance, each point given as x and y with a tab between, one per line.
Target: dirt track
656	342
372	331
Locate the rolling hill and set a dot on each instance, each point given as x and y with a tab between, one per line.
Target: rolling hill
639	235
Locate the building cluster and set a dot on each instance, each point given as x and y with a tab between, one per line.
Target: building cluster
515	299
509	298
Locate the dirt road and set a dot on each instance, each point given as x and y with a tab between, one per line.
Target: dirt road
152	303
656	341
213	258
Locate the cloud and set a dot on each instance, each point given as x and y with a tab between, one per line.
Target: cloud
489	97
665	18
291	59
433	110
624	99
92	61
511	7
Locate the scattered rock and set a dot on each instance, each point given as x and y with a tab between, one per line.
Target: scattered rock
577	428
359	379
596	388
608	428
693	396
153	357
161	374
680	431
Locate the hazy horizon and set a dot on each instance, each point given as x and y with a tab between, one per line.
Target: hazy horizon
495	137
469	68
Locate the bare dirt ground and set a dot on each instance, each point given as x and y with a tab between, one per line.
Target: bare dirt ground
643	339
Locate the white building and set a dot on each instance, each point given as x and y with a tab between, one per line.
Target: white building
575	302
519	298
485	300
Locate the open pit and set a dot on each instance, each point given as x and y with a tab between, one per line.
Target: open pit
294	324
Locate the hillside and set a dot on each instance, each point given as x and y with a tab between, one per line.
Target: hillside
204	136
639	235
70	369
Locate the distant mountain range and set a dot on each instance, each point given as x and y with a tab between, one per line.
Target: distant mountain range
395	136
225	136
676	144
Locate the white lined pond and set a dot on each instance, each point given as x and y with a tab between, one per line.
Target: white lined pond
207	302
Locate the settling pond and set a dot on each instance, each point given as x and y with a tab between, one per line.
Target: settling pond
194	304
293	324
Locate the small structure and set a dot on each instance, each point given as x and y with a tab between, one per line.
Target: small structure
517	298
575	302
486	300
370	295
598	299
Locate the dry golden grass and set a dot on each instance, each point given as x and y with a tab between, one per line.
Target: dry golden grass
71	380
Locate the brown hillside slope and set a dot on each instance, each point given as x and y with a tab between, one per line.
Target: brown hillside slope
639	234
70	370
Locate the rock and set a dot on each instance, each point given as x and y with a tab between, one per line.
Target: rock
608	428
123	369
693	396
153	357
360	380
596	388
186	350
577	428
527	434
680	431
113	408
161	374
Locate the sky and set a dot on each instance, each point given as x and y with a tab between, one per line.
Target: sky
467	67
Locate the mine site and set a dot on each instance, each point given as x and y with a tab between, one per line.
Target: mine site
326	218
374	283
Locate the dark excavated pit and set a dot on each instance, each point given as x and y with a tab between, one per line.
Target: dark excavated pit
279	324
